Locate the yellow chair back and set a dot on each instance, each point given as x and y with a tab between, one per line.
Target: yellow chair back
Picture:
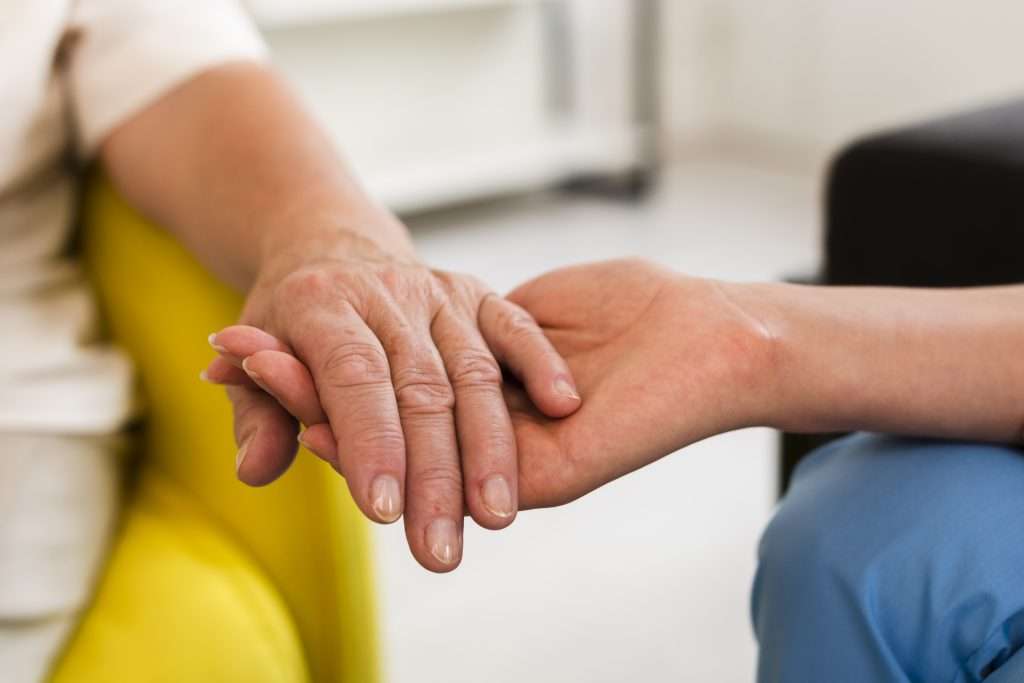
210	580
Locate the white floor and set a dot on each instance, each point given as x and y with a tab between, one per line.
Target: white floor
647	579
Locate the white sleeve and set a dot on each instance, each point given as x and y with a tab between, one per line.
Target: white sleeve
130	52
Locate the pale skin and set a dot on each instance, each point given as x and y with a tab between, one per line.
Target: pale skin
663	360
405	359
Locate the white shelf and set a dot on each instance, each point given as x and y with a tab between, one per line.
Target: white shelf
456	108
540	163
274	14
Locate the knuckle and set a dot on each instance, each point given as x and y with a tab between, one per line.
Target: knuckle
245	413
467	290
440	478
393	278
423	392
443	279
402	282
474	368
375	440
516	324
499	444
453	287
354	364
304	284
241	402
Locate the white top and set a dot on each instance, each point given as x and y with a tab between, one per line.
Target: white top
70	72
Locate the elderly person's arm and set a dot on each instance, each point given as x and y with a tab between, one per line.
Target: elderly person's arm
405	358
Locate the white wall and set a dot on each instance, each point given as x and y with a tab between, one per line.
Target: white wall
808	74
690	64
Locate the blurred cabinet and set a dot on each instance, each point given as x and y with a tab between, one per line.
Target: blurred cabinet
441	101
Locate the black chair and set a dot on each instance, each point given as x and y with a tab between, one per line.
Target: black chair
939	204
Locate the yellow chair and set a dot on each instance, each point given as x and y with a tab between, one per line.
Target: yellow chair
209	580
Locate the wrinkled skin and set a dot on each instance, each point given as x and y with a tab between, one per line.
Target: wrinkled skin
403	362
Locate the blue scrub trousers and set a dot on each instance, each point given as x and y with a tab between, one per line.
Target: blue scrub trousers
895	561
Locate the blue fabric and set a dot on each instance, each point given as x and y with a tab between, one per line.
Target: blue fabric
895	560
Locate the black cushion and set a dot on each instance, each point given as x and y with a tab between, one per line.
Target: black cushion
939	204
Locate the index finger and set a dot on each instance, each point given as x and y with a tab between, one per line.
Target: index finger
353	380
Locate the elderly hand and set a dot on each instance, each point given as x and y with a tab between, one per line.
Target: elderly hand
402	363
662	361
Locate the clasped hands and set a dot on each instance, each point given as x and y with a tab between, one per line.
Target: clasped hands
395	370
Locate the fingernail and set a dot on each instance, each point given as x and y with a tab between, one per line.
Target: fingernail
497	496
255	376
443	540
203	375
240	458
386	498
213	342
301	438
565	388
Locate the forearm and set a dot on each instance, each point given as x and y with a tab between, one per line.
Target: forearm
942	363
231	164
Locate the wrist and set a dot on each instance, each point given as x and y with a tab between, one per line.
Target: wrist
308	238
758	355
328	226
729	350
810	379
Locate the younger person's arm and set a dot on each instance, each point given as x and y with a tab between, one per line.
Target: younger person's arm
929	362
